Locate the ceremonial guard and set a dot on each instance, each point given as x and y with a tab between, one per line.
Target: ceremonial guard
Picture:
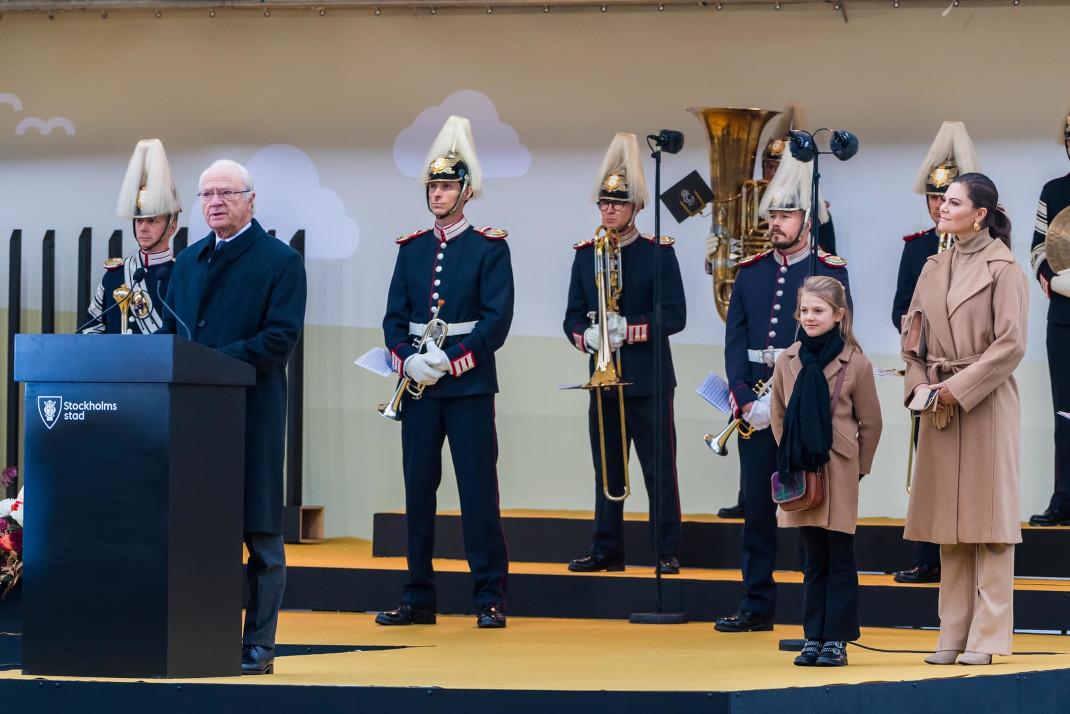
148	198
1052	230
793	117
952	153
613	279
460	278
760	325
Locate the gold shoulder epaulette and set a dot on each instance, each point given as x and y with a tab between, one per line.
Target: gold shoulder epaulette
752	259
583	243
833	261
493	233
402	239
113	263
912	236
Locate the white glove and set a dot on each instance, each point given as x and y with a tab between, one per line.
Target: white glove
592	337
712	242
418	369
437	358
618	330
758	416
1060	283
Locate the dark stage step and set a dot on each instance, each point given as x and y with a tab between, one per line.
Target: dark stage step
708	542
342	574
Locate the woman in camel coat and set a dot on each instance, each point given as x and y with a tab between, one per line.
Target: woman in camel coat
963	335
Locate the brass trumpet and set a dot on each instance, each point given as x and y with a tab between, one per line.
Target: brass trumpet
607	366
436	331
719	444
121	295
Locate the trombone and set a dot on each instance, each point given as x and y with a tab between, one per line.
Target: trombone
607	364
719	444
435	331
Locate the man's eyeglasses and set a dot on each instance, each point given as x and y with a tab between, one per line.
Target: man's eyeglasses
225	194
606	205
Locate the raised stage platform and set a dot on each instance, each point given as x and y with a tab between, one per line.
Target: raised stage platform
594	666
569	647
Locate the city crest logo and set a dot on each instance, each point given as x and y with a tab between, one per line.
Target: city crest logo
50	409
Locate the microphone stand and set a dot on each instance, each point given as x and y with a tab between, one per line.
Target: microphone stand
658	616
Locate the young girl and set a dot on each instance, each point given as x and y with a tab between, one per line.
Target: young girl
811	432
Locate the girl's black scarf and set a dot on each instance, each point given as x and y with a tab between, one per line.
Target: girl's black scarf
807	435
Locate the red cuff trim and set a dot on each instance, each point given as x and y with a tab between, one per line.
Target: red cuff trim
577	337
732	402
397	363
637	333
462	364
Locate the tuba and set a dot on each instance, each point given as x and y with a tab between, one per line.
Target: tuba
737	231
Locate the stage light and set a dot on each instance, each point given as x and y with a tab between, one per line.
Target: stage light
378	12
603	7
267	12
211	13
546	8
490	11
158	13
720	6
661	7
895	4
323	12
802	146
777	6
844	144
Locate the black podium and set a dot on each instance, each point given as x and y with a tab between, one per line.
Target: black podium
134	451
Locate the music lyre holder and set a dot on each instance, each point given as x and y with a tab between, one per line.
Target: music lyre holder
672	142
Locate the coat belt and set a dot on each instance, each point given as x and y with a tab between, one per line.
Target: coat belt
937	365
454	328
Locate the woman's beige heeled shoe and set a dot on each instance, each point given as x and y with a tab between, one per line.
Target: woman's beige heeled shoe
975	658
942	657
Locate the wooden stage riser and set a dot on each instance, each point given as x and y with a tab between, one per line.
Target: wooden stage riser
1008	694
1044	553
598	597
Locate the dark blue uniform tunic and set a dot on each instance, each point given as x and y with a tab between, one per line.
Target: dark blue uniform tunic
645	393
1054	199
108	319
761	317
466	275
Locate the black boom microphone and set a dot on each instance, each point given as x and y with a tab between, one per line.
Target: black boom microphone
165	273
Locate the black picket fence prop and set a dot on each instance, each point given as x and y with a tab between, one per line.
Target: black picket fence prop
87	278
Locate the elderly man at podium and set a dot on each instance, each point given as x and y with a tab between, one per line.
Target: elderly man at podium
242	292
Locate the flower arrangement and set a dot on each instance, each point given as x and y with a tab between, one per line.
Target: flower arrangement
11	515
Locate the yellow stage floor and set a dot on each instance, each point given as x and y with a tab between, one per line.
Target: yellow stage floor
573	655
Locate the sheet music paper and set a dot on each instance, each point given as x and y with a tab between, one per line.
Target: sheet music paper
1064	415
376	360
715	391
888	372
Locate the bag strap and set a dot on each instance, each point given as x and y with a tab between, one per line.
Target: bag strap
839	383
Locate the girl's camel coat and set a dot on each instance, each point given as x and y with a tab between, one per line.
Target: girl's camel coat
856	428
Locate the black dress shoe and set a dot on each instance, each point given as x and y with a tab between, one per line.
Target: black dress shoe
744	622
809	654
257	659
833	654
492	616
919	574
1050	517
594	563
669	565
735	511
406	614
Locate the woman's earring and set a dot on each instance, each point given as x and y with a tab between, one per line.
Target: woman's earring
977	225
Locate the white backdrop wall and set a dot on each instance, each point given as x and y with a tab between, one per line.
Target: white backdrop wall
333	114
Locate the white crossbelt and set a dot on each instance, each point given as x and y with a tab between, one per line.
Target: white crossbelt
455	328
767	356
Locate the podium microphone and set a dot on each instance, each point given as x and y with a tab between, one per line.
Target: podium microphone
136	278
165	273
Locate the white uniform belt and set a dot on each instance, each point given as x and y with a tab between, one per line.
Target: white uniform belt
454	328
766	356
